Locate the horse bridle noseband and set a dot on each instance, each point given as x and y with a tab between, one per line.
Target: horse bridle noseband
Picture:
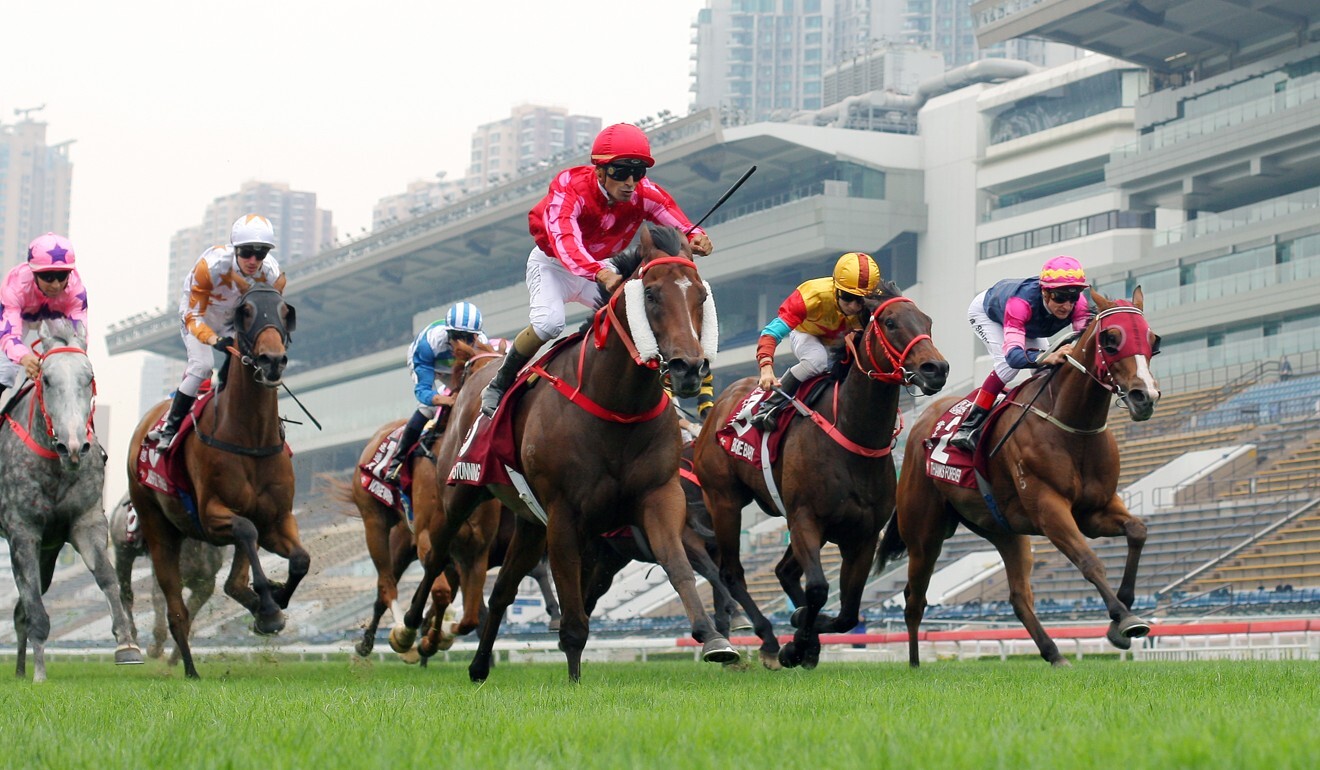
39	401
897	373
1104	376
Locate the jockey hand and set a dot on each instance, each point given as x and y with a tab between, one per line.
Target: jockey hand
440	399
767	378
609	279
223	344
1056	357
32	365
701	245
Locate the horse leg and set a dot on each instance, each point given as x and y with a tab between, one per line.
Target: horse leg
541	574
89	536
857	559
525	550
726	521
805	541
282	540
919	519
1112	521
704	566
598	577
25	559
124	574
460	501
200	589
269	620
379	537
238	585
442	596
1057	523
565	550
1016	552
158	627
664	516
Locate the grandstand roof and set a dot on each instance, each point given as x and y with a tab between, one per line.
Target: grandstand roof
1167	35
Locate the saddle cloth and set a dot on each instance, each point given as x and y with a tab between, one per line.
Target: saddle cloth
948	463
371	476
742	440
488	454
164	471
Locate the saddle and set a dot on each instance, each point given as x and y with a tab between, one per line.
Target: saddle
743	440
371	477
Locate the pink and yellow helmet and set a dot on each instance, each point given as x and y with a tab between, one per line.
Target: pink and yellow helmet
1062	271
50	252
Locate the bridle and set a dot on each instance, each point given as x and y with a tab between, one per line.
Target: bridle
607	318
1103	375
39	402
897	373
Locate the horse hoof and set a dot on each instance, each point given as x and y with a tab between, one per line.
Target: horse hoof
268	625
402	638
811	658
477	674
770	660
426	646
128	655
718	650
788	657
796	618
364	647
155	651
1116	637
554	625
1134	627
1060	662
410	656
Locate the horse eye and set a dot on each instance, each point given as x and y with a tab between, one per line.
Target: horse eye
1155	344
891	324
651	296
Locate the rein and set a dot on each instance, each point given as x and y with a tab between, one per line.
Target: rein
897	374
39	400
833	432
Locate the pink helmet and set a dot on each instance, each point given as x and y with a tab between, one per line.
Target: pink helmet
621	141
50	252
1062	271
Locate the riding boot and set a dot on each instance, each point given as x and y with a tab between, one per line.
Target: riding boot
406	441
969	432
429	433
178	410
768	415
494	391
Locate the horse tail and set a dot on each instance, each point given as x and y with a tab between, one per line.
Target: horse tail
891	545
343	492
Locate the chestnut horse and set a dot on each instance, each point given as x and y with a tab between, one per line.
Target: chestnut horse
834	472
390	541
1054	472
599	444
241	474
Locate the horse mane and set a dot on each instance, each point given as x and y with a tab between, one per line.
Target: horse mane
666	239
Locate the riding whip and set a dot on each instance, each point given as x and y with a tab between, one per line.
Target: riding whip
300	406
722	199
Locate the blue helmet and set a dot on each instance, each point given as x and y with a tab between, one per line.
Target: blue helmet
463	317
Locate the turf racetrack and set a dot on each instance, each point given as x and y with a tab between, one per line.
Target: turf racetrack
1018	714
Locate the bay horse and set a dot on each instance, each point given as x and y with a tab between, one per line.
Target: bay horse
599	446
390	540
241	474
1053	468
834	472
54	471
199	563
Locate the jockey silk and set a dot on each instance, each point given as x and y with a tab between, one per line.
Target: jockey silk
212	289
576	224
1018	306
432	356
24	303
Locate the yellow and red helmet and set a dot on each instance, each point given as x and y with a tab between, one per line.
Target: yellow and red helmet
856	273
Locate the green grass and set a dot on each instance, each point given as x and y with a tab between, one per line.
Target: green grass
1015	714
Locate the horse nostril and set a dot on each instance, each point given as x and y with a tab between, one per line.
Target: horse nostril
932	370
1137	396
61	449
705	368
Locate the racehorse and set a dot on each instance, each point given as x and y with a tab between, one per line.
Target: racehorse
199	563
241	474
1053	468
834	472
598	444
613	553
390	540
51	494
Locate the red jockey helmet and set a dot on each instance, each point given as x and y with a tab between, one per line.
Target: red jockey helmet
621	141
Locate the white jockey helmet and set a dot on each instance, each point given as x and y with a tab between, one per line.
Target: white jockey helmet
252	230
463	317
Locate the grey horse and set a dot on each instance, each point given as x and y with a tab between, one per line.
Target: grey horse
199	562
54	470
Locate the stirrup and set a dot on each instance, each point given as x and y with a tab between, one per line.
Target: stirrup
966	442
166	438
392	475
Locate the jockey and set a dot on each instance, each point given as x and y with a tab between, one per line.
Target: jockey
1015	318
211	291
430	358
45	286
819	313
589	213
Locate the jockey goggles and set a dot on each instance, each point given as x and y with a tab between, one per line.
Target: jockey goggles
248	252
622	173
1063	296
52	276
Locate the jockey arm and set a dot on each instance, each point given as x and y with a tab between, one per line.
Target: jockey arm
561	224
791	314
1016	315
199	299
424	369
661	209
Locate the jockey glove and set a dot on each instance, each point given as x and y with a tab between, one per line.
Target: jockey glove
223	344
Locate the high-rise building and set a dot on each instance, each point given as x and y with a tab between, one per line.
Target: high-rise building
301	229
421	196
36	183
768	59
531	134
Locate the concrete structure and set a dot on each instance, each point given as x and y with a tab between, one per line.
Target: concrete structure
532	134
36	185
421	196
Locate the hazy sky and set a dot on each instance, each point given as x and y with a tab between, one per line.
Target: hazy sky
172	104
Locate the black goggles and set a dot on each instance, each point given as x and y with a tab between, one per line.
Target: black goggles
248	252
624	173
1064	295
53	276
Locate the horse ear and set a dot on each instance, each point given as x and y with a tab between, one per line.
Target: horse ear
1100	301
290	318
648	243
1139	298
